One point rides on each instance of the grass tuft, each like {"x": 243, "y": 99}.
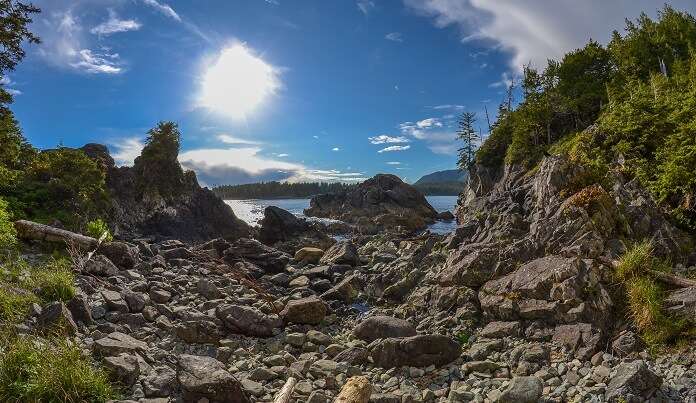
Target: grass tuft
{"x": 636, "y": 261}
{"x": 33, "y": 370}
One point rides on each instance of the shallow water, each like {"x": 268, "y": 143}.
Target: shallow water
{"x": 251, "y": 211}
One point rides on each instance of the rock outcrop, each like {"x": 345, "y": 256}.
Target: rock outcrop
{"x": 157, "y": 198}
{"x": 382, "y": 202}
{"x": 289, "y": 233}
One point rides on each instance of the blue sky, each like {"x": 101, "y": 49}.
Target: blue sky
{"x": 290, "y": 90}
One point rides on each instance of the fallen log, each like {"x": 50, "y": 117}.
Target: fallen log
{"x": 673, "y": 279}
{"x": 356, "y": 390}
{"x": 40, "y": 232}
{"x": 286, "y": 392}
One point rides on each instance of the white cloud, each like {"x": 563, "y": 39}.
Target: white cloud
{"x": 428, "y": 123}
{"x": 127, "y": 150}
{"x": 394, "y": 36}
{"x": 419, "y": 128}
{"x": 163, "y": 8}
{"x": 228, "y": 139}
{"x": 335, "y": 149}
{"x": 536, "y": 30}
{"x": 246, "y": 165}
{"x": 114, "y": 25}
{"x": 365, "y": 6}
{"x": 6, "y": 82}
{"x": 383, "y": 139}
{"x": 393, "y": 163}
{"x": 393, "y": 148}
{"x": 448, "y": 106}
{"x": 64, "y": 45}
{"x": 237, "y": 82}
{"x": 283, "y": 155}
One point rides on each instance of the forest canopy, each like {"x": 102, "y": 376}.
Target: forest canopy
{"x": 278, "y": 190}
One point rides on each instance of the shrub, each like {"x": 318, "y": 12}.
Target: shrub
{"x": 8, "y": 234}
{"x": 636, "y": 261}
{"x": 33, "y": 369}
{"x": 97, "y": 228}
{"x": 645, "y": 300}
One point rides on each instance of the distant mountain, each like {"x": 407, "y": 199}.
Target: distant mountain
{"x": 442, "y": 183}
{"x": 450, "y": 175}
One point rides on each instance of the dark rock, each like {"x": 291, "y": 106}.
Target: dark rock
{"x": 445, "y": 216}
{"x": 56, "y": 315}
{"x": 382, "y": 327}
{"x": 208, "y": 289}
{"x": 341, "y": 253}
{"x": 247, "y": 320}
{"x": 522, "y": 389}
{"x": 100, "y": 265}
{"x": 308, "y": 255}
{"x": 198, "y": 331}
{"x": 159, "y": 295}
{"x": 160, "y": 382}
{"x": 415, "y": 351}
{"x": 682, "y": 303}
{"x": 177, "y": 253}
{"x": 156, "y": 197}
{"x": 79, "y": 309}
{"x": 310, "y": 311}
{"x": 268, "y": 259}
{"x": 121, "y": 254}
{"x": 124, "y": 368}
{"x": 345, "y": 291}
{"x": 353, "y": 356}
{"x": 287, "y": 232}
{"x": 114, "y": 301}
{"x": 632, "y": 382}
{"x": 206, "y": 378}
{"x": 136, "y": 301}
{"x": 383, "y": 201}
{"x": 582, "y": 338}
{"x": 626, "y": 343}
{"x": 496, "y": 330}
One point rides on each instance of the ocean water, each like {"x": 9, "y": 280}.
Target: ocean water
{"x": 251, "y": 211}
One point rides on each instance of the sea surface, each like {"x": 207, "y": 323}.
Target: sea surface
{"x": 251, "y": 210}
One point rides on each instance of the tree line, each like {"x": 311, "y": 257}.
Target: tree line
{"x": 276, "y": 190}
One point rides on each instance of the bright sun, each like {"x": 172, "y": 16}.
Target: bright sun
{"x": 237, "y": 82}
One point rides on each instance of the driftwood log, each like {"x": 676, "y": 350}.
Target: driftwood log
{"x": 40, "y": 232}
{"x": 286, "y": 392}
{"x": 356, "y": 390}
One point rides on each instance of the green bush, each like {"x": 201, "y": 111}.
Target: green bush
{"x": 97, "y": 228}
{"x": 8, "y": 234}
{"x": 38, "y": 370}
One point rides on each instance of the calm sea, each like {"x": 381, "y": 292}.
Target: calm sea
{"x": 251, "y": 211}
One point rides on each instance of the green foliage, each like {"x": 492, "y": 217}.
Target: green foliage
{"x": 34, "y": 369}
{"x": 467, "y": 134}
{"x": 157, "y": 168}
{"x": 463, "y": 337}
{"x": 492, "y": 152}
{"x": 97, "y": 228}
{"x": 271, "y": 190}
{"x": 14, "y": 303}
{"x": 54, "y": 281}
{"x": 8, "y": 234}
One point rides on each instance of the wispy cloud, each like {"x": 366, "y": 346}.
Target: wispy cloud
{"x": 394, "y": 36}
{"x": 448, "y": 106}
{"x": 127, "y": 150}
{"x": 163, "y": 8}
{"x": 393, "y": 148}
{"x": 97, "y": 63}
{"x": 384, "y": 139}
{"x": 114, "y": 25}
{"x": 393, "y": 163}
{"x": 365, "y": 6}
{"x": 335, "y": 149}
{"x": 229, "y": 139}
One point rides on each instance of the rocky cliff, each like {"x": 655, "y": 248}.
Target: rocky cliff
{"x": 156, "y": 198}
{"x": 382, "y": 202}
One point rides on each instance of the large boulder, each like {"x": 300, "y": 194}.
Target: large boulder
{"x": 382, "y": 327}
{"x": 205, "y": 378}
{"x": 343, "y": 252}
{"x": 381, "y": 202}
{"x": 156, "y": 197}
{"x": 522, "y": 389}
{"x": 287, "y": 232}
{"x": 270, "y": 260}
{"x": 682, "y": 303}
{"x": 247, "y": 320}
{"x": 310, "y": 311}
{"x": 632, "y": 382}
{"x": 415, "y": 351}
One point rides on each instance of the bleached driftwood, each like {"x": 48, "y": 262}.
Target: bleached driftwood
{"x": 357, "y": 390}
{"x": 40, "y": 232}
{"x": 286, "y": 392}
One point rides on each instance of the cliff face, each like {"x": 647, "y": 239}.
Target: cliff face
{"x": 382, "y": 202}
{"x": 156, "y": 198}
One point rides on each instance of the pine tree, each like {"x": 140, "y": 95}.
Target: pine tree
{"x": 469, "y": 137}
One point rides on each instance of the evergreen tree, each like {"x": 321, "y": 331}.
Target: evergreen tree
{"x": 467, "y": 133}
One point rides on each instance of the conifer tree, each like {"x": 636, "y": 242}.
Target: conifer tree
{"x": 467, "y": 133}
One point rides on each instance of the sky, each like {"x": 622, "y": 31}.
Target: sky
{"x": 296, "y": 90}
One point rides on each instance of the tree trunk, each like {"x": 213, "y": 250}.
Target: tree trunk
{"x": 34, "y": 231}
{"x": 356, "y": 390}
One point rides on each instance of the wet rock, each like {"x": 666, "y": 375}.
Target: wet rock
{"x": 247, "y": 320}
{"x": 415, "y": 351}
{"x": 381, "y": 327}
{"x": 632, "y": 382}
{"x": 310, "y": 311}
{"x": 206, "y": 378}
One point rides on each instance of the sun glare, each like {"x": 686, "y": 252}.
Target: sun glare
{"x": 237, "y": 82}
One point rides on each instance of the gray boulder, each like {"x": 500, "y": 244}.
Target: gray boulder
{"x": 522, "y": 389}
{"x": 124, "y": 368}
{"x": 56, "y": 315}
{"x": 415, "y": 351}
{"x": 310, "y": 311}
{"x": 118, "y": 343}
{"x": 206, "y": 378}
{"x": 632, "y": 382}
{"x": 382, "y": 327}
{"x": 247, "y": 320}
{"x": 341, "y": 253}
